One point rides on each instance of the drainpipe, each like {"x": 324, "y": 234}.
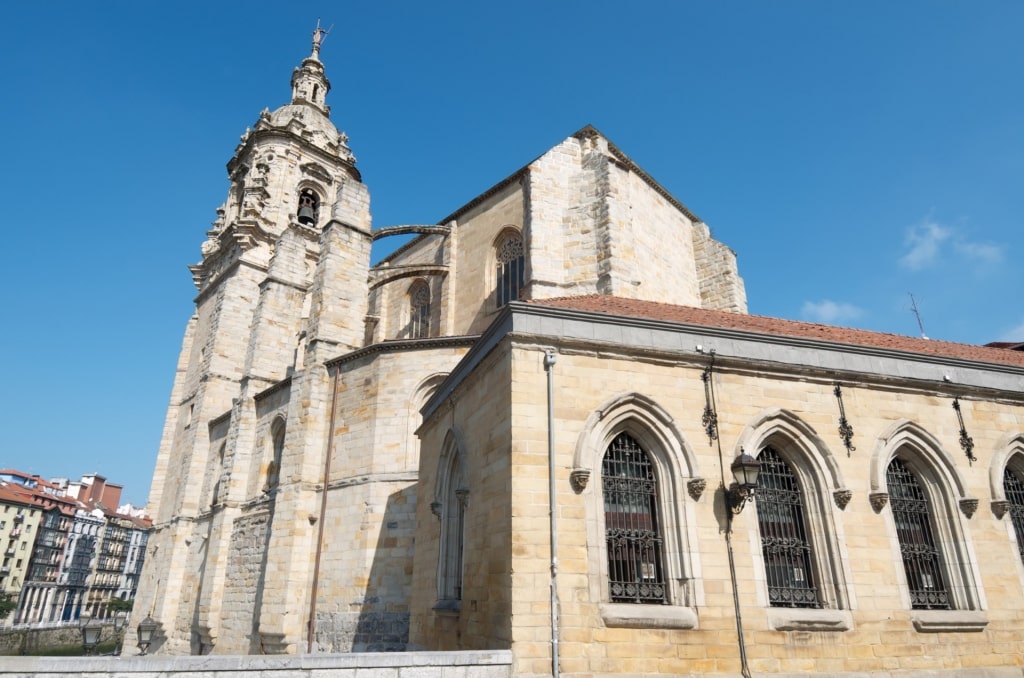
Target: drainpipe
{"x": 549, "y": 367}
{"x": 323, "y": 513}
{"x": 744, "y": 668}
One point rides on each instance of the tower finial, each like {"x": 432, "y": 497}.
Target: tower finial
{"x": 318, "y": 38}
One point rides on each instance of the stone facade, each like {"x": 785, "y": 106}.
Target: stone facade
{"x": 285, "y": 484}
{"x": 626, "y": 368}
{"x": 356, "y": 457}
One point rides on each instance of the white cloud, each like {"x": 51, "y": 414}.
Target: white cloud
{"x": 985, "y": 253}
{"x": 927, "y": 242}
{"x": 830, "y": 312}
{"x": 924, "y": 242}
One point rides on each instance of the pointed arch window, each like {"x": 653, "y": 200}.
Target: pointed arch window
{"x": 922, "y": 558}
{"x": 1013, "y": 487}
{"x": 633, "y": 531}
{"x": 451, "y": 504}
{"x": 419, "y": 310}
{"x": 511, "y": 265}
{"x": 785, "y": 545}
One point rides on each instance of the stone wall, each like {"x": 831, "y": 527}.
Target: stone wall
{"x": 37, "y": 641}
{"x": 491, "y": 664}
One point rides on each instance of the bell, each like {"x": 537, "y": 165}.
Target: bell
{"x": 306, "y": 215}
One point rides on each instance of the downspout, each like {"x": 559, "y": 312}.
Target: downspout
{"x": 549, "y": 367}
{"x": 323, "y": 513}
{"x": 709, "y": 379}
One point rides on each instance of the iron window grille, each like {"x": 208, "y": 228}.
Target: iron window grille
{"x": 922, "y": 561}
{"x": 784, "y": 543}
{"x": 1013, "y": 487}
{"x": 632, "y": 530}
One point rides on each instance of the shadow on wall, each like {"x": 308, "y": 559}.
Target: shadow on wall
{"x": 382, "y": 622}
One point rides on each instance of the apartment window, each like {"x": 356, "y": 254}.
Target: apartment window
{"x": 633, "y": 536}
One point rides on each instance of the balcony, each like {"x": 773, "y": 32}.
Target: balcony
{"x": 5, "y": 570}
{"x": 19, "y": 518}
{"x": 9, "y": 552}
{"x": 16, "y": 532}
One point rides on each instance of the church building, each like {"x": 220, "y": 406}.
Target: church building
{"x": 548, "y": 424}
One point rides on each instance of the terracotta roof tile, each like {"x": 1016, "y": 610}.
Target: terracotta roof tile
{"x": 758, "y": 324}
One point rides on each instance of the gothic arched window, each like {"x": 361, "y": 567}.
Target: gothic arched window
{"x": 511, "y": 264}
{"x": 1013, "y": 486}
{"x": 419, "y": 310}
{"x": 922, "y": 557}
{"x": 632, "y": 528}
{"x": 784, "y": 535}
{"x": 451, "y": 504}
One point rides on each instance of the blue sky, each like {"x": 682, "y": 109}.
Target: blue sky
{"x": 849, "y": 153}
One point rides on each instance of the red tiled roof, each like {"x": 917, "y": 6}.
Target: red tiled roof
{"x": 759, "y": 324}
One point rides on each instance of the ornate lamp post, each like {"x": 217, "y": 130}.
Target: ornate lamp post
{"x": 745, "y": 470}
{"x": 120, "y": 619}
{"x": 147, "y": 627}
{"x": 90, "y": 632}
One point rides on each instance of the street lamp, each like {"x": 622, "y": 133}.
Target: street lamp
{"x": 745, "y": 470}
{"x": 120, "y": 619}
{"x": 147, "y": 627}
{"x": 90, "y": 632}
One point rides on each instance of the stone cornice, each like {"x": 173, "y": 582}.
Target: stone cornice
{"x": 629, "y": 164}
{"x": 395, "y": 346}
{"x": 260, "y": 135}
{"x": 267, "y": 392}
{"x": 218, "y": 420}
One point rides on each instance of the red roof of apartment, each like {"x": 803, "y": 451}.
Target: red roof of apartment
{"x": 759, "y": 324}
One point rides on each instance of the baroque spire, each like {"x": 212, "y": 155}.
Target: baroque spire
{"x": 309, "y": 83}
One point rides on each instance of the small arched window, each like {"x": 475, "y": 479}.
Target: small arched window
{"x": 784, "y": 536}
{"x": 922, "y": 558}
{"x": 632, "y": 528}
{"x": 309, "y": 207}
{"x": 511, "y": 264}
{"x": 419, "y": 310}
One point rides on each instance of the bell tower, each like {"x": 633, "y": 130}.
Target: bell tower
{"x": 281, "y": 288}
